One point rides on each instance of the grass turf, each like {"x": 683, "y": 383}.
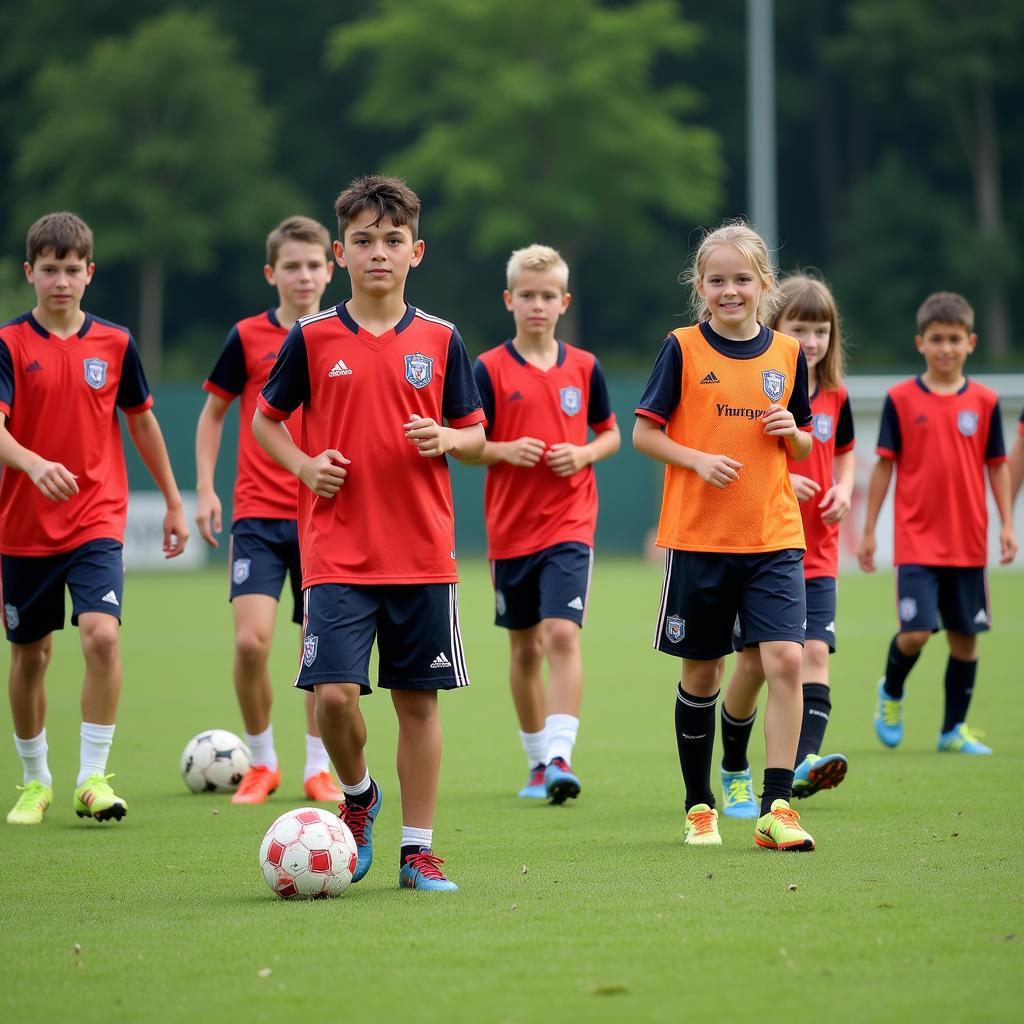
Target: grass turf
{"x": 910, "y": 908}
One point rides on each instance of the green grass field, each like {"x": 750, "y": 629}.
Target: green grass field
{"x": 909, "y": 910}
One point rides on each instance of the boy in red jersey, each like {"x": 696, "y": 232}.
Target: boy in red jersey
{"x": 377, "y": 378}
{"x": 540, "y": 396}
{"x": 63, "y": 501}
{"x": 940, "y": 429}
{"x": 264, "y": 531}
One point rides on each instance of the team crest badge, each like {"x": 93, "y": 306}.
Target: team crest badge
{"x": 95, "y": 373}
{"x": 11, "y": 615}
{"x": 240, "y": 570}
{"x": 967, "y": 422}
{"x": 571, "y": 400}
{"x": 309, "y": 646}
{"x": 822, "y": 426}
{"x": 908, "y": 609}
{"x": 675, "y": 628}
{"x": 774, "y": 383}
{"x": 419, "y": 370}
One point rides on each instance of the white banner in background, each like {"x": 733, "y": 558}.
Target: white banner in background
{"x": 144, "y": 534}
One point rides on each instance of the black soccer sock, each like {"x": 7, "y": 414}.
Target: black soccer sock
{"x": 363, "y": 799}
{"x": 778, "y": 785}
{"x": 735, "y": 738}
{"x": 817, "y": 708}
{"x": 695, "y": 738}
{"x": 959, "y": 688}
{"x": 897, "y": 668}
{"x": 407, "y": 851}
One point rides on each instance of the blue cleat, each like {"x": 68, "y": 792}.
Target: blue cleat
{"x": 814, "y": 773}
{"x": 559, "y": 782}
{"x": 534, "y": 788}
{"x": 360, "y": 821}
{"x": 738, "y": 795}
{"x": 423, "y": 871}
{"x": 888, "y": 717}
{"x": 961, "y": 740}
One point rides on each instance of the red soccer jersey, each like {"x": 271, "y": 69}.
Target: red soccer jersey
{"x": 263, "y": 489}
{"x": 392, "y": 521}
{"x": 832, "y": 429}
{"x": 941, "y": 444}
{"x": 60, "y": 397}
{"x": 528, "y": 510}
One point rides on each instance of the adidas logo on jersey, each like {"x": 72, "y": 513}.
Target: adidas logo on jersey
{"x": 711, "y": 379}
{"x": 981, "y": 618}
{"x": 270, "y": 356}
{"x": 576, "y": 603}
{"x": 441, "y": 662}
{"x": 33, "y": 367}
{"x": 110, "y": 597}
{"x": 516, "y": 396}
{"x": 339, "y": 369}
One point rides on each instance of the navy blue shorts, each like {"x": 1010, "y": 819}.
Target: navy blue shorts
{"x": 33, "y": 588}
{"x": 708, "y": 595}
{"x": 416, "y": 627}
{"x": 821, "y": 610}
{"x": 549, "y": 584}
{"x": 262, "y": 553}
{"x": 926, "y": 592}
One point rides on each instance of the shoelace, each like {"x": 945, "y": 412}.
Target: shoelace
{"x": 356, "y": 818}
{"x": 786, "y": 815}
{"x": 31, "y": 794}
{"x": 537, "y": 777}
{"x": 890, "y": 711}
{"x": 740, "y": 792}
{"x": 99, "y": 779}
{"x": 703, "y": 821}
{"x": 967, "y": 735}
{"x": 427, "y": 865}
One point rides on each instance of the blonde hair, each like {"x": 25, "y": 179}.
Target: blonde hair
{"x": 538, "y": 258}
{"x": 751, "y": 246}
{"x": 805, "y": 296}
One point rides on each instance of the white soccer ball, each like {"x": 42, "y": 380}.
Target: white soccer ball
{"x": 308, "y": 854}
{"x": 214, "y": 762}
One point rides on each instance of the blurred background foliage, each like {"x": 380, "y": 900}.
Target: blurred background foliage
{"x": 613, "y": 130}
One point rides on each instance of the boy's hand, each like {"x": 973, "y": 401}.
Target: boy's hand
{"x": 523, "y": 451}
{"x": 564, "y": 459}
{"x": 55, "y": 480}
{"x": 804, "y": 487}
{"x": 175, "y": 532}
{"x": 208, "y": 509}
{"x": 428, "y": 435}
{"x": 325, "y": 473}
{"x": 779, "y": 422}
{"x": 717, "y": 470}
{"x": 1007, "y": 545}
{"x": 866, "y": 552}
{"x": 835, "y": 506}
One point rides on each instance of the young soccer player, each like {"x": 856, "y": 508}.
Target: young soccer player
{"x": 264, "y": 531}
{"x": 940, "y": 429}
{"x": 64, "y": 373}
{"x": 540, "y": 395}
{"x": 377, "y": 378}
{"x": 724, "y": 406}
{"x": 823, "y": 483}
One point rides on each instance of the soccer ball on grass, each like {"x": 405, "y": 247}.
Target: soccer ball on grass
{"x": 214, "y": 762}
{"x": 307, "y": 854}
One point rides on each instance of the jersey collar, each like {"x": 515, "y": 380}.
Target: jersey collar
{"x": 514, "y": 353}
{"x": 44, "y": 333}
{"x": 272, "y": 316}
{"x": 758, "y": 345}
{"x": 350, "y": 324}
{"x": 924, "y": 387}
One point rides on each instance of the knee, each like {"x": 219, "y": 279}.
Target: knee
{"x": 337, "y": 702}
{"x": 912, "y": 642}
{"x": 526, "y": 652}
{"x": 252, "y": 645}
{"x": 786, "y": 666}
{"x": 963, "y": 646}
{"x": 29, "y": 661}
{"x": 561, "y": 637}
{"x": 100, "y": 643}
{"x": 815, "y": 661}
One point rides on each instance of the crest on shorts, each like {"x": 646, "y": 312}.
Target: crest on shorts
{"x": 571, "y": 400}
{"x": 774, "y": 383}
{"x": 822, "y": 426}
{"x": 419, "y": 370}
{"x": 908, "y": 609}
{"x": 967, "y": 422}
{"x": 11, "y": 615}
{"x": 675, "y": 628}
{"x": 240, "y": 570}
{"x": 309, "y": 646}
{"x": 500, "y": 604}
{"x": 95, "y": 372}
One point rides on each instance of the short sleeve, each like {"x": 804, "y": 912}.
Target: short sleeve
{"x": 460, "y": 401}
{"x": 665, "y": 385}
{"x": 799, "y": 402}
{"x": 229, "y": 375}
{"x": 995, "y": 449}
{"x": 844, "y": 427}
{"x": 133, "y": 395}
{"x": 6, "y": 379}
{"x": 889, "y": 440}
{"x": 485, "y": 386}
{"x": 288, "y": 385}
{"x": 599, "y": 407}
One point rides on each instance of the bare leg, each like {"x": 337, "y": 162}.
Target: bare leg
{"x": 782, "y": 660}
{"x": 26, "y": 686}
{"x": 419, "y": 754}
{"x": 526, "y": 658}
{"x": 561, "y": 639}
{"x": 101, "y": 690}
{"x": 744, "y": 687}
{"x": 254, "y": 616}
{"x": 343, "y": 729}
{"x": 815, "y": 662}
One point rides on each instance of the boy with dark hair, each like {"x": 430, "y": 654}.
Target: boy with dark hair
{"x": 264, "y": 533}
{"x": 940, "y": 429}
{"x": 377, "y": 378}
{"x": 63, "y": 502}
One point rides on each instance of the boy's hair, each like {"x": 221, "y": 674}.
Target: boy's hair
{"x": 63, "y": 232}
{"x": 538, "y": 258}
{"x": 945, "y": 308}
{"x": 742, "y": 237}
{"x": 805, "y": 296}
{"x": 386, "y": 196}
{"x": 298, "y": 229}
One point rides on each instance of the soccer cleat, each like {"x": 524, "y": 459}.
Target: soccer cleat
{"x": 738, "y": 790}
{"x": 888, "y": 717}
{"x": 322, "y": 789}
{"x": 559, "y": 782}
{"x": 31, "y": 806}
{"x": 780, "y": 829}
{"x": 360, "y": 821}
{"x": 534, "y": 788}
{"x": 702, "y": 826}
{"x": 959, "y": 740}
{"x": 95, "y": 799}
{"x": 257, "y": 784}
{"x": 814, "y": 773}
{"x": 423, "y": 871}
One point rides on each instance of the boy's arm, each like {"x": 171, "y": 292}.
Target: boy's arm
{"x": 835, "y": 506}
{"x": 209, "y": 431}
{"x": 323, "y": 475}
{"x": 523, "y": 451}
{"x": 878, "y": 487}
{"x": 54, "y": 479}
{"x": 433, "y": 439}
{"x": 649, "y": 438}
{"x": 149, "y": 441}
{"x": 999, "y": 481}
{"x": 565, "y": 459}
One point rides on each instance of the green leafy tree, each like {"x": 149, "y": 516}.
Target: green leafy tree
{"x": 160, "y": 140}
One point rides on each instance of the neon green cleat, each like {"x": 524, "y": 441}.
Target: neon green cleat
{"x": 702, "y": 826}
{"x": 31, "y": 806}
{"x": 95, "y": 799}
{"x": 780, "y": 829}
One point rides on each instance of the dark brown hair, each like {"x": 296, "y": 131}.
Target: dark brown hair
{"x": 945, "y": 308}
{"x": 298, "y": 229}
{"x": 387, "y": 197}
{"x": 62, "y": 232}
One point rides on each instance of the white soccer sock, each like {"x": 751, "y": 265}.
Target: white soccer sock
{"x": 317, "y": 760}
{"x": 561, "y": 730}
{"x": 359, "y": 788}
{"x": 33, "y": 759}
{"x": 536, "y": 746}
{"x": 95, "y": 749}
{"x": 419, "y": 837}
{"x": 262, "y": 747}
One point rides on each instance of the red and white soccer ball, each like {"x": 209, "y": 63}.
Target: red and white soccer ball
{"x": 307, "y": 854}
{"x": 214, "y": 762}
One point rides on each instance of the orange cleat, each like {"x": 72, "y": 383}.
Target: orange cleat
{"x": 257, "y": 784}
{"x": 323, "y": 789}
